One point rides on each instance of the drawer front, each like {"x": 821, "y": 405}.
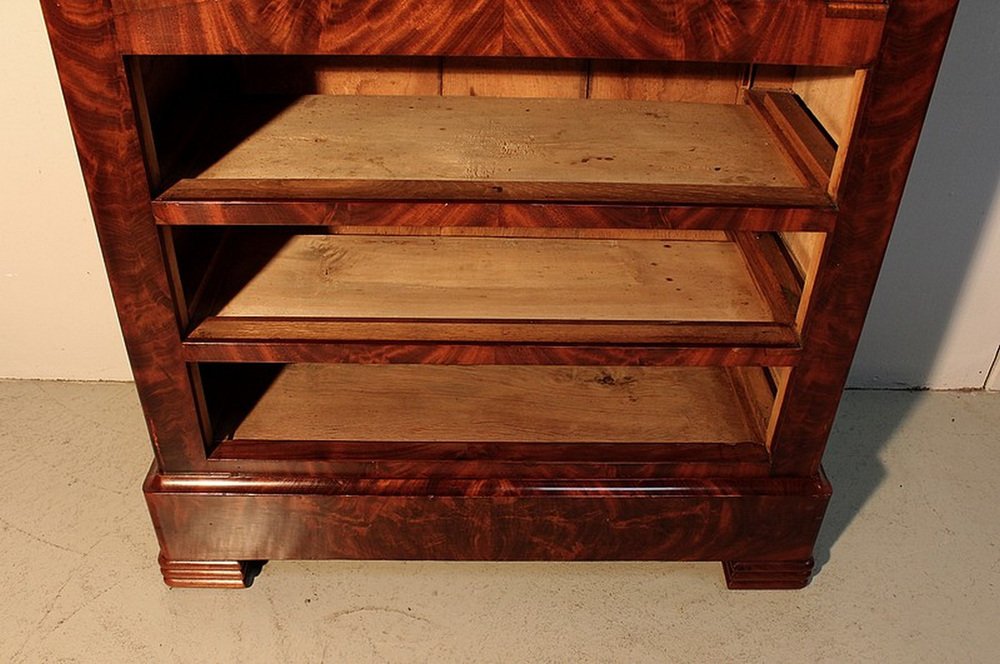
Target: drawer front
{"x": 813, "y": 32}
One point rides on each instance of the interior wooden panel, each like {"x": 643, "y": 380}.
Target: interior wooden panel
{"x": 712, "y": 83}
{"x": 498, "y": 404}
{"x": 754, "y": 387}
{"x": 378, "y": 76}
{"x": 806, "y": 251}
{"x": 779, "y": 378}
{"x": 772, "y": 77}
{"x": 504, "y": 77}
{"x": 832, "y": 96}
{"x": 433, "y": 138}
{"x": 333, "y": 276}
{"x": 709, "y": 83}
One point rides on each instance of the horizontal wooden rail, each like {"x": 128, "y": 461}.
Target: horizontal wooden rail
{"x": 807, "y": 32}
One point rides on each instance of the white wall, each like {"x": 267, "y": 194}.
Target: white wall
{"x": 935, "y": 320}
{"x": 56, "y": 315}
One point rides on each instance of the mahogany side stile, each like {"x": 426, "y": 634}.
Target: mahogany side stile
{"x": 807, "y": 32}
{"x": 99, "y": 106}
{"x": 884, "y": 142}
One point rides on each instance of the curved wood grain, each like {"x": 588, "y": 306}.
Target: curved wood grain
{"x": 396, "y": 27}
{"x": 764, "y": 31}
{"x": 760, "y": 31}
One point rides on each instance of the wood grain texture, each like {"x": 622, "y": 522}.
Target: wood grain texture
{"x": 763, "y": 347}
{"x": 468, "y": 147}
{"x": 98, "y": 101}
{"x": 761, "y": 31}
{"x": 242, "y": 518}
{"x": 386, "y": 27}
{"x": 792, "y": 32}
{"x": 801, "y": 139}
{"x": 899, "y": 89}
{"x": 773, "y": 273}
{"x": 511, "y": 217}
{"x": 376, "y": 76}
{"x": 702, "y": 82}
{"x": 497, "y": 404}
{"x": 510, "y": 77}
{"x": 832, "y": 96}
{"x": 367, "y": 277}
{"x": 496, "y": 190}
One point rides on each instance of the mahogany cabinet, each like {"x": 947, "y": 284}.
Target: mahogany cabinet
{"x": 493, "y": 279}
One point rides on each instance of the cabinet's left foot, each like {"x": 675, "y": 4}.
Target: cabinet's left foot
{"x": 768, "y": 574}
{"x": 209, "y": 573}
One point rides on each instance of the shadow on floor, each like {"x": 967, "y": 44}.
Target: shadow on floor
{"x": 852, "y": 460}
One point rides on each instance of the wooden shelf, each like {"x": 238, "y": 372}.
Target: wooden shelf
{"x": 357, "y": 412}
{"x": 472, "y": 148}
{"x": 267, "y": 288}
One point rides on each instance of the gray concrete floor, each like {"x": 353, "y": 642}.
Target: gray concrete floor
{"x": 909, "y": 558}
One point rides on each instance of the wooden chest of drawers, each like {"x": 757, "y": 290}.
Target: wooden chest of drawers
{"x": 493, "y": 279}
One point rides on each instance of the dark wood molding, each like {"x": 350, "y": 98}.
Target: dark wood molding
{"x": 512, "y": 218}
{"x": 768, "y": 574}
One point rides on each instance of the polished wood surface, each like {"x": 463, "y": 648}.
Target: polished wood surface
{"x": 271, "y": 437}
{"x": 98, "y": 102}
{"x": 512, "y": 219}
{"x": 794, "y": 31}
{"x": 279, "y": 517}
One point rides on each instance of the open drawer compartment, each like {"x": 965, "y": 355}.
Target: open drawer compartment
{"x": 725, "y": 298}
{"x": 292, "y": 130}
{"x": 497, "y": 414}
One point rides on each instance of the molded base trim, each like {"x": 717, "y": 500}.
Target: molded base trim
{"x": 209, "y": 573}
{"x": 768, "y": 574}
{"x": 230, "y": 517}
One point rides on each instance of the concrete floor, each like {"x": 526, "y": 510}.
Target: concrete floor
{"x": 909, "y": 555}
